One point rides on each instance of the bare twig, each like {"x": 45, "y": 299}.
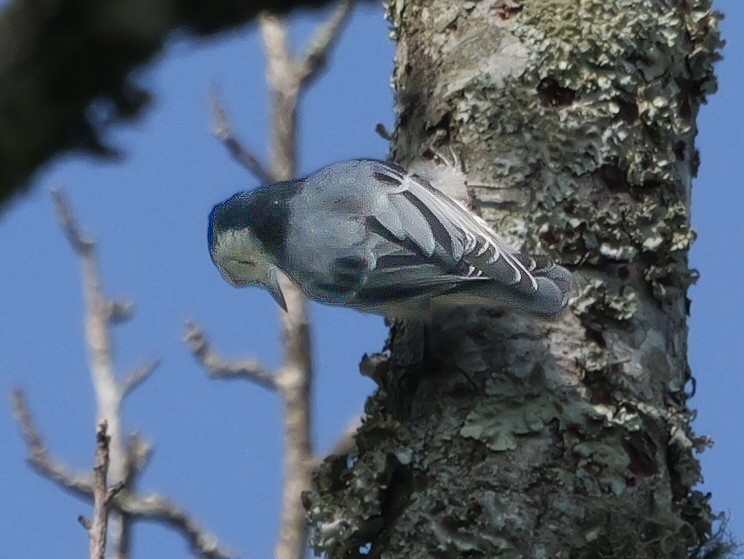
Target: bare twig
{"x": 276, "y": 47}
{"x": 286, "y": 77}
{"x": 217, "y": 367}
{"x": 98, "y": 529}
{"x": 113, "y": 491}
{"x": 139, "y": 452}
{"x": 134, "y": 379}
{"x": 295, "y": 377}
{"x": 80, "y": 243}
{"x": 224, "y": 132}
{"x": 316, "y": 54}
{"x": 39, "y": 457}
{"x": 99, "y": 315}
{"x": 155, "y": 508}
{"x": 122, "y": 460}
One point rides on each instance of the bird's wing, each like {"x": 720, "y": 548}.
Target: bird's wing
{"x": 424, "y": 225}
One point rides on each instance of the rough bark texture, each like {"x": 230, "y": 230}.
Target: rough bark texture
{"x": 575, "y": 122}
{"x": 59, "y": 56}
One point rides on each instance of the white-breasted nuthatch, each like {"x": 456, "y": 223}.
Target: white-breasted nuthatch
{"x": 370, "y": 235}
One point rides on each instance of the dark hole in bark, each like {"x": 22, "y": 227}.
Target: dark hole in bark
{"x": 685, "y": 110}
{"x": 628, "y": 111}
{"x": 506, "y": 9}
{"x": 553, "y": 95}
{"x": 613, "y": 176}
{"x": 642, "y": 451}
{"x": 596, "y": 337}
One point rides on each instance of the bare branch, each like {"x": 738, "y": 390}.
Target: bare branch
{"x": 316, "y": 55}
{"x": 39, "y": 457}
{"x": 139, "y": 452}
{"x": 125, "y": 462}
{"x": 79, "y": 242}
{"x": 217, "y": 367}
{"x": 286, "y": 78}
{"x": 278, "y": 63}
{"x": 99, "y": 314}
{"x": 154, "y": 508}
{"x": 29, "y": 432}
{"x": 113, "y": 491}
{"x": 158, "y": 509}
{"x": 136, "y": 378}
{"x": 295, "y": 376}
{"x": 98, "y": 529}
{"x": 224, "y": 132}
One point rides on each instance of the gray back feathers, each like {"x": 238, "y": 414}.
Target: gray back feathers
{"x": 369, "y": 234}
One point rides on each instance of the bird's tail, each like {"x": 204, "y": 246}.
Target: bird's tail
{"x": 554, "y": 285}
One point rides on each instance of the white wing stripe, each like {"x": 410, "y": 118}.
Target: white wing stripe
{"x": 436, "y": 219}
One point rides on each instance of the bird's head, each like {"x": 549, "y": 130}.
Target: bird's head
{"x": 238, "y": 253}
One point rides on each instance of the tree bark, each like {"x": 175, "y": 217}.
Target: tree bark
{"x": 519, "y": 437}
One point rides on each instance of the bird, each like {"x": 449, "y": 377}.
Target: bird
{"x": 370, "y": 235}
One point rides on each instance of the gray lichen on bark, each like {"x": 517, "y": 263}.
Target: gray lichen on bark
{"x": 574, "y": 121}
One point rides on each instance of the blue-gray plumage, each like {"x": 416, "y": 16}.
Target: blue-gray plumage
{"x": 370, "y": 235}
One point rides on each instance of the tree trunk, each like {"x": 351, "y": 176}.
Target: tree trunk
{"x": 517, "y": 437}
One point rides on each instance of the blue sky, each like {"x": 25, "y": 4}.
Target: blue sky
{"x": 218, "y": 445}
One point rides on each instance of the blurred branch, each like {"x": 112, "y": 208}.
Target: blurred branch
{"x": 133, "y": 380}
{"x": 286, "y": 77}
{"x": 124, "y": 460}
{"x": 99, "y": 316}
{"x": 155, "y": 508}
{"x": 217, "y": 367}
{"x": 39, "y": 457}
{"x": 99, "y": 45}
{"x": 314, "y": 59}
{"x": 79, "y": 243}
{"x": 139, "y": 452}
{"x": 224, "y": 132}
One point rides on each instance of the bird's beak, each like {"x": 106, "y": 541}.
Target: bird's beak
{"x": 276, "y": 291}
